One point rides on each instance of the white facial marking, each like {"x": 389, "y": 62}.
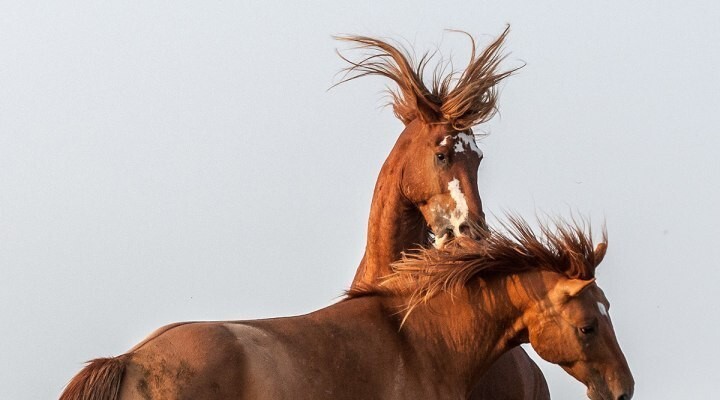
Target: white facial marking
{"x": 459, "y": 147}
{"x": 602, "y": 309}
{"x": 456, "y": 217}
{"x": 445, "y": 140}
{"x": 466, "y": 140}
{"x": 460, "y": 213}
{"x": 440, "y": 211}
{"x": 440, "y": 241}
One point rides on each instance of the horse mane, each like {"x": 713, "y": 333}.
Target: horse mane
{"x": 564, "y": 247}
{"x": 461, "y": 99}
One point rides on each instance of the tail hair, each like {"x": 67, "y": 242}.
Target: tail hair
{"x": 99, "y": 380}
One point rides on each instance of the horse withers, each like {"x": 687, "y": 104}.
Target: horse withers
{"x": 429, "y": 331}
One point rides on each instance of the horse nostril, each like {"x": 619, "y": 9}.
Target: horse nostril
{"x": 623, "y": 397}
{"x": 464, "y": 229}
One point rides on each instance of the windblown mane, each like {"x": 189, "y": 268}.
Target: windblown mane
{"x": 561, "y": 246}
{"x": 461, "y": 99}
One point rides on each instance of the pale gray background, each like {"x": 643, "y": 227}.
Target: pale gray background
{"x": 166, "y": 161}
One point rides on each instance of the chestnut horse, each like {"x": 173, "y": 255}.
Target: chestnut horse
{"x": 427, "y": 332}
{"x": 427, "y": 186}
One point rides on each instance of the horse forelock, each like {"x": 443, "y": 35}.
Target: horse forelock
{"x": 460, "y": 99}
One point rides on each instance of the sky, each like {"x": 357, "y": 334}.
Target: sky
{"x": 165, "y": 161}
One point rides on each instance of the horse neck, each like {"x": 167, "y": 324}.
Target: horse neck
{"x": 465, "y": 332}
{"x": 395, "y": 224}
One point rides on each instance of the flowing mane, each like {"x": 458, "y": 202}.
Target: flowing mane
{"x": 461, "y": 99}
{"x": 565, "y": 247}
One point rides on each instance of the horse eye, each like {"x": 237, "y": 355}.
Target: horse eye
{"x": 440, "y": 157}
{"x": 587, "y": 330}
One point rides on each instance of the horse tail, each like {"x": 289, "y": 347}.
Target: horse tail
{"x": 99, "y": 380}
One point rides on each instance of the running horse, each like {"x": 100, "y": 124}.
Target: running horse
{"x": 428, "y": 331}
{"x": 427, "y": 186}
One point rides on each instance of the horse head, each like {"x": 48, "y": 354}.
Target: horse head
{"x": 439, "y": 177}
{"x": 435, "y": 160}
{"x": 530, "y": 287}
{"x": 572, "y": 328}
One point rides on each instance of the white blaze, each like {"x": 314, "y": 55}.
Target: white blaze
{"x": 466, "y": 140}
{"x": 460, "y": 213}
{"x": 445, "y": 140}
{"x": 455, "y": 217}
{"x": 602, "y": 309}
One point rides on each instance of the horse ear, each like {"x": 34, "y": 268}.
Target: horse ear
{"x": 409, "y": 106}
{"x": 570, "y": 288}
{"x": 600, "y": 250}
{"x": 426, "y": 111}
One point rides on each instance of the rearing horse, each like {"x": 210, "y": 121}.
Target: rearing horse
{"x": 428, "y": 184}
{"x": 464, "y": 305}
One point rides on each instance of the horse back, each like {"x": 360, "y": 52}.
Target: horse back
{"x": 336, "y": 353}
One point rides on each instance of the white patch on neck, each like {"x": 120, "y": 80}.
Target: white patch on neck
{"x": 602, "y": 309}
{"x": 466, "y": 140}
{"x": 459, "y": 215}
